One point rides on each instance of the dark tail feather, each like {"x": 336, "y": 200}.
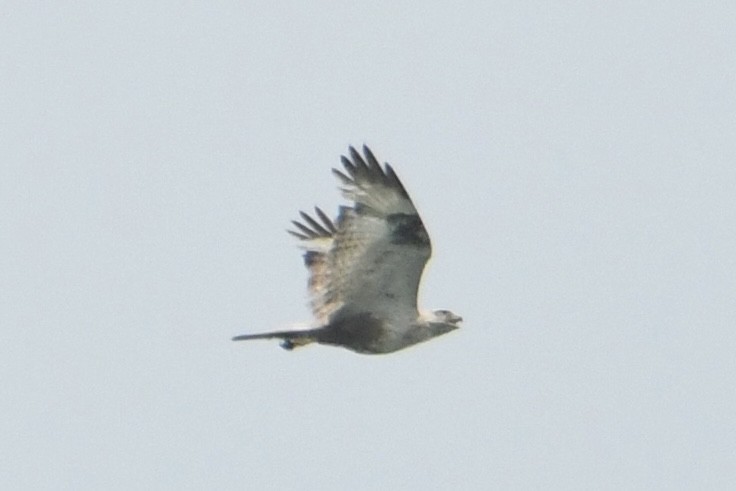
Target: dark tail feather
{"x": 290, "y": 339}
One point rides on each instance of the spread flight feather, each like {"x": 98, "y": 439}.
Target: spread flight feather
{"x": 365, "y": 268}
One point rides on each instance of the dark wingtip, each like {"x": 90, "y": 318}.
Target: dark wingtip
{"x": 342, "y": 177}
{"x": 373, "y": 163}
{"x": 316, "y": 226}
{"x": 394, "y": 181}
{"x": 310, "y": 228}
{"x": 359, "y": 164}
{"x": 355, "y": 155}
{"x": 304, "y": 229}
{"x": 349, "y": 166}
{"x": 326, "y": 220}
{"x": 297, "y": 235}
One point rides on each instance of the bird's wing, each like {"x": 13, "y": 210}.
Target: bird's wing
{"x": 372, "y": 259}
{"x": 317, "y": 237}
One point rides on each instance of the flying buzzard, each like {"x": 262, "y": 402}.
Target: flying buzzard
{"x": 364, "y": 269}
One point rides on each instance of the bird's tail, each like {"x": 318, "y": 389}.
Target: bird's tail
{"x": 289, "y": 339}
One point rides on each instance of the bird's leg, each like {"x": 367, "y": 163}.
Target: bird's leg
{"x": 296, "y": 342}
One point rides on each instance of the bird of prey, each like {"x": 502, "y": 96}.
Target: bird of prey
{"x": 365, "y": 267}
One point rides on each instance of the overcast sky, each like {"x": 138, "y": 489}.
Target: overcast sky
{"x": 575, "y": 165}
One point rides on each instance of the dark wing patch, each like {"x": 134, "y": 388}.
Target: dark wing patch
{"x": 407, "y": 229}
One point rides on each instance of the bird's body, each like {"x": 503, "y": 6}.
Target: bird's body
{"x": 365, "y": 268}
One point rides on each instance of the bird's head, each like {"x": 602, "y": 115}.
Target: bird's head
{"x": 442, "y": 321}
{"x": 434, "y": 323}
{"x": 446, "y": 317}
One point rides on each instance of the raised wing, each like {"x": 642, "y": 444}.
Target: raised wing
{"x": 372, "y": 259}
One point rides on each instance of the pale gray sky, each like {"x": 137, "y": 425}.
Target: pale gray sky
{"x": 575, "y": 165}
